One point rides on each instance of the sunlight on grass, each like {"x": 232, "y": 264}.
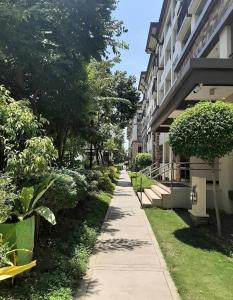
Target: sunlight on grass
{"x": 201, "y": 269}
{"x": 136, "y": 179}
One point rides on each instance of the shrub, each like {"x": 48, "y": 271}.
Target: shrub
{"x": 34, "y": 161}
{"x": 105, "y": 184}
{"x": 113, "y": 173}
{"x": 7, "y": 198}
{"x": 142, "y": 160}
{"x": 4, "y": 249}
{"x": 80, "y": 181}
{"x": 63, "y": 194}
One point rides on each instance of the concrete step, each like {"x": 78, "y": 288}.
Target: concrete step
{"x": 145, "y": 200}
{"x": 164, "y": 187}
{"x": 159, "y": 190}
{"x": 152, "y": 195}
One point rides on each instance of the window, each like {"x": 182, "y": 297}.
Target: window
{"x": 200, "y": 8}
{"x": 186, "y": 37}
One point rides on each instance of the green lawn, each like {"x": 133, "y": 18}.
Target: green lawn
{"x": 200, "y": 267}
{"x": 63, "y": 254}
{"x": 136, "y": 179}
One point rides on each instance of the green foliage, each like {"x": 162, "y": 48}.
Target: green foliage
{"x": 44, "y": 49}
{"x": 69, "y": 188}
{"x": 4, "y": 249}
{"x": 7, "y": 198}
{"x": 65, "y": 255}
{"x": 105, "y": 184}
{"x": 113, "y": 173}
{"x": 204, "y": 131}
{"x": 26, "y": 203}
{"x": 142, "y": 160}
{"x": 136, "y": 181}
{"x": 17, "y": 124}
{"x": 34, "y": 161}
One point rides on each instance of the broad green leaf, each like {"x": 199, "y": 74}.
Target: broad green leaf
{"x": 46, "y": 184}
{"x": 26, "y": 197}
{"x": 47, "y": 214}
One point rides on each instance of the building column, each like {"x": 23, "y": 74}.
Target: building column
{"x": 157, "y": 150}
{"x": 170, "y": 161}
{"x": 226, "y": 182}
{"x": 225, "y": 42}
{"x": 153, "y": 146}
{"x": 177, "y": 171}
{"x": 164, "y": 157}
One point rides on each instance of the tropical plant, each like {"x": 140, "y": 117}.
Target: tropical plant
{"x": 142, "y": 160}
{"x": 26, "y": 203}
{"x": 4, "y": 250}
{"x": 63, "y": 194}
{"x": 34, "y": 161}
{"x": 204, "y": 131}
{"x": 7, "y": 197}
{"x": 17, "y": 124}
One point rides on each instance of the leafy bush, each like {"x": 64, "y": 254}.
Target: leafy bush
{"x": 34, "y": 161}
{"x": 142, "y": 160}
{"x": 80, "y": 181}
{"x": 18, "y": 123}
{"x": 105, "y": 184}
{"x": 113, "y": 173}
{"x": 63, "y": 194}
{"x": 7, "y": 198}
{"x": 4, "y": 249}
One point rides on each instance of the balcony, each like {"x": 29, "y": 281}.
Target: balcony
{"x": 183, "y": 13}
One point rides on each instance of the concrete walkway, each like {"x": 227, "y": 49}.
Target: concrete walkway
{"x": 127, "y": 262}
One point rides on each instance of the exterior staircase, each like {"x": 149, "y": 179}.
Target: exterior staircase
{"x": 155, "y": 195}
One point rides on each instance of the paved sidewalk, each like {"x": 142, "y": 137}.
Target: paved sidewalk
{"x": 127, "y": 262}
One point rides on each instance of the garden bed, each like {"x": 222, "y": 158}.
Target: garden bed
{"x": 63, "y": 253}
{"x": 200, "y": 263}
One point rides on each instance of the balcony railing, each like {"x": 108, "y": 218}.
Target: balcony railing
{"x": 183, "y": 13}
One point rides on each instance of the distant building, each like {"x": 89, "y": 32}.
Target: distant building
{"x": 190, "y": 60}
{"x": 134, "y": 135}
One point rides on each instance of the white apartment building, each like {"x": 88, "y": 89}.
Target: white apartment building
{"x": 190, "y": 60}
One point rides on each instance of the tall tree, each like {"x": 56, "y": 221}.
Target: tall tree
{"x": 44, "y": 48}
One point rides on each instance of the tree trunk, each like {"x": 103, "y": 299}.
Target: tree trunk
{"x": 101, "y": 156}
{"x": 91, "y": 156}
{"x": 97, "y": 155}
{"x": 218, "y": 219}
{"x": 61, "y": 144}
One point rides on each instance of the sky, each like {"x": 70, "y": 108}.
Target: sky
{"x": 136, "y": 15}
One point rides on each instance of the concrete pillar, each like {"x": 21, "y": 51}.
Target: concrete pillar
{"x": 226, "y": 182}
{"x": 225, "y": 42}
{"x": 153, "y": 146}
{"x": 164, "y": 156}
{"x": 170, "y": 161}
{"x": 177, "y": 171}
{"x": 157, "y": 150}
{"x": 198, "y": 198}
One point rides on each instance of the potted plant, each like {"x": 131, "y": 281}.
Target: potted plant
{"x": 18, "y": 227}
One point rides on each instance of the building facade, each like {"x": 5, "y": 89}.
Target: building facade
{"x": 190, "y": 53}
{"x": 134, "y": 135}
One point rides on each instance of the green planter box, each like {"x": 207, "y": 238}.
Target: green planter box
{"x": 20, "y": 236}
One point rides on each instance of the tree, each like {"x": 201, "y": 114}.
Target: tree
{"x": 17, "y": 124}
{"x": 143, "y": 160}
{"x": 109, "y": 109}
{"x": 204, "y": 131}
{"x": 44, "y": 49}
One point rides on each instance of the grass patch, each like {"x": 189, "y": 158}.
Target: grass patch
{"x": 136, "y": 181}
{"x": 200, "y": 267}
{"x": 63, "y": 254}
